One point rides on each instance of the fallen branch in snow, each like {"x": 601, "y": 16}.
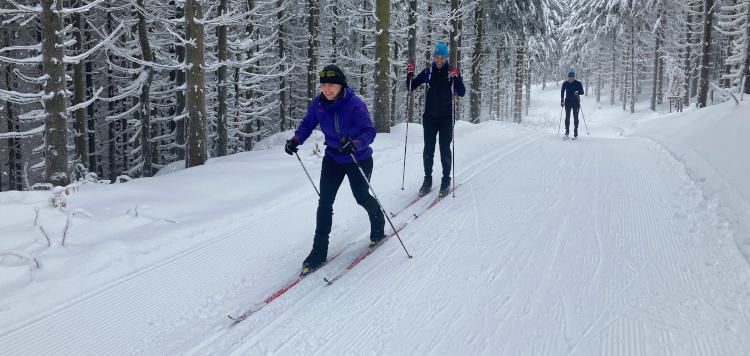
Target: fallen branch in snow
{"x": 21, "y": 255}
{"x": 69, "y": 222}
{"x": 49, "y": 243}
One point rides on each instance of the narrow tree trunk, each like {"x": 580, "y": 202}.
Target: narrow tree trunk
{"x": 364, "y": 53}
{"x": 746, "y": 64}
{"x": 223, "y": 138}
{"x": 249, "y": 129}
{"x": 394, "y": 87}
{"x": 599, "y": 76}
{"x": 382, "y": 66}
{"x": 197, "y": 141}
{"x": 95, "y": 160}
{"x": 518, "y": 104}
{"x": 708, "y": 13}
{"x": 660, "y": 82}
{"x": 612, "y": 98}
{"x": 688, "y": 53}
{"x": 527, "y": 79}
{"x": 282, "y": 85}
{"x": 412, "y": 51}
{"x": 79, "y": 96}
{"x": 148, "y": 73}
{"x": 654, "y": 89}
{"x": 312, "y": 43}
{"x": 453, "y": 37}
{"x": 57, "y": 171}
{"x": 476, "y": 59}
{"x": 633, "y": 69}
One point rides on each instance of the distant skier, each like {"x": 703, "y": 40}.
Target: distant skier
{"x": 570, "y": 99}
{"x": 438, "y": 114}
{"x": 346, "y": 124}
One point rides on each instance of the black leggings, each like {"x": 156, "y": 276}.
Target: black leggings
{"x": 575, "y": 108}
{"x": 331, "y": 176}
{"x": 432, "y": 127}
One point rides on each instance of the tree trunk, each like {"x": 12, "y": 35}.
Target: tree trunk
{"x": 654, "y": 89}
{"x": 282, "y": 85}
{"x": 145, "y": 111}
{"x": 180, "y": 95}
{"x": 527, "y": 80}
{"x": 453, "y": 37}
{"x": 518, "y": 104}
{"x": 394, "y": 87}
{"x": 660, "y": 82}
{"x": 476, "y": 59}
{"x": 223, "y": 138}
{"x": 633, "y": 69}
{"x": 412, "y": 51}
{"x": 382, "y": 66}
{"x": 57, "y": 171}
{"x": 688, "y": 53}
{"x": 197, "y": 148}
{"x": 708, "y": 13}
{"x": 746, "y": 64}
{"x": 599, "y": 81}
{"x": 612, "y": 98}
{"x": 79, "y": 125}
{"x": 312, "y": 43}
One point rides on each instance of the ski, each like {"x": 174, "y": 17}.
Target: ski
{"x": 441, "y": 197}
{"x": 287, "y": 286}
{"x": 369, "y": 250}
{"x": 575, "y": 138}
{"x": 417, "y": 199}
{"x": 565, "y": 138}
{"x": 363, "y": 255}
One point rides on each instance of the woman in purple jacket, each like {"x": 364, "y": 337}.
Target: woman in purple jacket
{"x": 348, "y": 129}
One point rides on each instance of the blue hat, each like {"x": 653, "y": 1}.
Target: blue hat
{"x": 572, "y": 74}
{"x": 441, "y": 50}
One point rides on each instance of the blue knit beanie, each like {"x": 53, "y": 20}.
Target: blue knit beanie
{"x": 441, "y": 50}
{"x": 572, "y": 74}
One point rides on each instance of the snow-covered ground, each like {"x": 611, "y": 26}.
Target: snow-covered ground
{"x": 628, "y": 241}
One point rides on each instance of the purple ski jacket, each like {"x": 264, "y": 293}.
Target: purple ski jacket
{"x": 344, "y": 118}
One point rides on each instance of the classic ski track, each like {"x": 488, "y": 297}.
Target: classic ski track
{"x": 608, "y": 302}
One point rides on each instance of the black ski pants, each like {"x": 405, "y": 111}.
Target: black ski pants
{"x": 432, "y": 127}
{"x": 331, "y": 177}
{"x": 575, "y": 107}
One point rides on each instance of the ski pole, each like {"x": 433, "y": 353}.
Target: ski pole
{"x": 559, "y": 122}
{"x": 379, "y": 204}
{"x": 308, "y": 174}
{"x": 406, "y": 138}
{"x": 453, "y": 136}
{"x": 584, "y": 120}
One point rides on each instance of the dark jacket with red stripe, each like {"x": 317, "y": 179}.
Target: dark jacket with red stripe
{"x": 344, "y": 118}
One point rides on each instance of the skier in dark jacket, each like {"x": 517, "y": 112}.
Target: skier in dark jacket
{"x": 438, "y": 112}
{"x": 569, "y": 98}
{"x": 348, "y": 129}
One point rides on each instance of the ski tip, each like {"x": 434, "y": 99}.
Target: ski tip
{"x": 236, "y": 320}
{"x": 327, "y": 281}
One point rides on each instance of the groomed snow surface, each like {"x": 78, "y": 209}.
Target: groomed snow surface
{"x": 632, "y": 240}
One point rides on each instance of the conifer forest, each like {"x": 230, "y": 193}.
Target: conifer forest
{"x": 113, "y": 90}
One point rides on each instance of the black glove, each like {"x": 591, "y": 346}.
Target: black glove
{"x": 562, "y": 104}
{"x": 350, "y": 145}
{"x": 291, "y": 146}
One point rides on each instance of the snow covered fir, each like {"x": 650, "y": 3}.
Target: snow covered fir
{"x": 406, "y": 177}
